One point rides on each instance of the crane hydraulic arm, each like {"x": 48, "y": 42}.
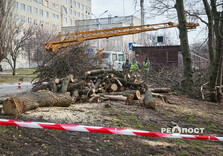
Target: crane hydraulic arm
{"x": 65, "y": 40}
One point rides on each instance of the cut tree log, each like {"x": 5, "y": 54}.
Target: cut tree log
{"x": 21, "y": 103}
{"x": 114, "y": 87}
{"x": 160, "y": 90}
{"x": 160, "y": 96}
{"x": 128, "y": 95}
{"x": 73, "y": 86}
{"x": 148, "y": 100}
{"x": 43, "y": 86}
{"x": 136, "y": 94}
{"x": 97, "y": 72}
{"x": 119, "y": 83}
{"x": 57, "y": 81}
{"x": 115, "y": 97}
{"x": 65, "y": 83}
{"x": 53, "y": 86}
{"x": 75, "y": 96}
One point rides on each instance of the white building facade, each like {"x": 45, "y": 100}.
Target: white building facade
{"x": 49, "y": 14}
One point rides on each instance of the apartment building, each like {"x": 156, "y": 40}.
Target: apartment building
{"x": 49, "y": 14}
{"x": 118, "y": 43}
{"x": 52, "y": 13}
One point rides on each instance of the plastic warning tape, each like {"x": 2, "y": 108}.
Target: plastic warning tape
{"x": 106, "y": 130}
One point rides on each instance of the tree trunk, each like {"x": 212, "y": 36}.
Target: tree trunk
{"x": 21, "y": 103}
{"x": 14, "y": 67}
{"x": 188, "y": 71}
{"x": 210, "y": 32}
{"x": 218, "y": 25}
{"x": 148, "y": 100}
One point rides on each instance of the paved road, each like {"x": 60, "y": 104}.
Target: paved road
{"x": 11, "y": 88}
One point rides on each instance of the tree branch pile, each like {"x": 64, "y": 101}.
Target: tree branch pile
{"x": 171, "y": 77}
{"x": 66, "y": 61}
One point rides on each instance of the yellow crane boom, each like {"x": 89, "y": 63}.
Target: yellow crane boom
{"x": 65, "y": 40}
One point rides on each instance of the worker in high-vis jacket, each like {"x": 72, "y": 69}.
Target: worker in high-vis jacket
{"x": 126, "y": 67}
{"x": 135, "y": 66}
{"x": 146, "y": 65}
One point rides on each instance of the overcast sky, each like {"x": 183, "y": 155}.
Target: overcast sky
{"x": 115, "y": 8}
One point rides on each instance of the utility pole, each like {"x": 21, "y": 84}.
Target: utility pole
{"x": 123, "y": 7}
{"x": 99, "y": 27}
{"x": 142, "y": 21}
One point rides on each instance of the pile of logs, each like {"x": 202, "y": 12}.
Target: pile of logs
{"x": 97, "y": 86}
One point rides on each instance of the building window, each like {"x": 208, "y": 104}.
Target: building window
{"x": 85, "y": 16}
{"x": 53, "y": 5}
{"x": 74, "y": 3}
{"x": 70, "y": 11}
{"x": 74, "y": 13}
{"x": 54, "y": 16}
{"x": 85, "y": 8}
{"x": 29, "y": 9}
{"x": 65, "y": 1}
{"x": 78, "y": 5}
{"x": 47, "y": 14}
{"x": 41, "y": 12}
{"x": 41, "y": 2}
{"x": 71, "y": 21}
{"x": 16, "y": 5}
{"x": 35, "y": 1}
{"x": 35, "y": 22}
{"x": 70, "y": 2}
{"x": 82, "y": 16}
{"x": 65, "y": 19}
{"x": 30, "y": 20}
{"x": 35, "y": 11}
{"x": 23, "y": 20}
{"x": 16, "y": 17}
{"x": 89, "y": 10}
{"x": 82, "y": 7}
{"x": 57, "y": 16}
{"x": 78, "y": 14}
{"x": 23, "y": 7}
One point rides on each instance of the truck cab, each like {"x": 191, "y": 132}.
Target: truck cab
{"x": 112, "y": 59}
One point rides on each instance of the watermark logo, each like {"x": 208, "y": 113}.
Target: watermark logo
{"x": 179, "y": 130}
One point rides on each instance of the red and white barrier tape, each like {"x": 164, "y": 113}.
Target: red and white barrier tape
{"x": 106, "y": 130}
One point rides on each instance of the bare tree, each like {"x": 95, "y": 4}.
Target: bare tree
{"x": 215, "y": 26}
{"x": 187, "y": 62}
{"x": 7, "y": 27}
{"x": 36, "y": 44}
{"x": 20, "y": 40}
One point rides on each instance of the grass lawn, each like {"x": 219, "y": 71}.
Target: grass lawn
{"x": 26, "y": 73}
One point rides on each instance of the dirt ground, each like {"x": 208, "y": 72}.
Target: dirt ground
{"x": 187, "y": 113}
